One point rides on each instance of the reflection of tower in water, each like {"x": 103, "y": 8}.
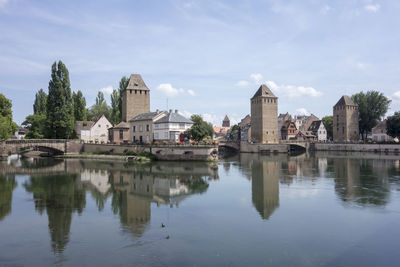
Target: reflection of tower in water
{"x": 265, "y": 187}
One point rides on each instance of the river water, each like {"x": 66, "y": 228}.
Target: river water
{"x": 248, "y": 210}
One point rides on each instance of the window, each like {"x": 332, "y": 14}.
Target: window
{"x": 134, "y": 129}
{"x": 130, "y": 91}
{"x": 140, "y": 128}
{"x": 147, "y": 127}
{"x": 181, "y": 125}
{"x": 99, "y": 125}
{"x": 135, "y": 92}
{"x": 121, "y": 134}
{"x": 155, "y": 126}
{"x": 156, "y": 136}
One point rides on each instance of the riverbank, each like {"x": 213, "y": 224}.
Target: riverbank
{"x": 136, "y": 158}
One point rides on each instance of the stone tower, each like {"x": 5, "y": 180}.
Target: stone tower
{"x": 264, "y": 116}
{"x": 226, "y": 122}
{"x": 345, "y": 120}
{"x": 135, "y": 98}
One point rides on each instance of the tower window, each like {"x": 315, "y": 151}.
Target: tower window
{"x": 140, "y": 91}
{"x": 130, "y": 91}
{"x": 135, "y": 91}
{"x": 145, "y": 92}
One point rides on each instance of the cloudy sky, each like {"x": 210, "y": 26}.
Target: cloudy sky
{"x": 205, "y": 57}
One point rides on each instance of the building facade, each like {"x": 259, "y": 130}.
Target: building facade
{"x": 318, "y": 129}
{"x": 379, "y": 133}
{"x": 288, "y": 130}
{"x": 264, "y": 116}
{"x": 135, "y": 98}
{"x": 170, "y": 126}
{"x": 93, "y": 131}
{"x": 345, "y": 121}
{"x": 120, "y": 133}
{"x": 142, "y": 126}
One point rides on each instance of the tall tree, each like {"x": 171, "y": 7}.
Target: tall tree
{"x": 7, "y": 126}
{"x": 393, "y": 125}
{"x": 36, "y": 123}
{"x": 60, "y": 114}
{"x": 100, "y": 108}
{"x": 79, "y": 106}
{"x": 115, "y": 104}
{"x": 328, "y": 123}
{"x": 372, "y": 106}
{"x": 200, "y": 129}
{"x": 40, "y": 104}
{"x": 123, "y": 84}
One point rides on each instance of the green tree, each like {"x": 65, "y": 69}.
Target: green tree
{"x": 40, "y": 104}
{"x": 7, "y": 126}
{"x": 60, "y": 113}
{"x": 328, "y": 123}
{"x": 200, "y": 129}
{"x": 36, "y": 124}
{"x": 393, "y": 125}
{"x": 234, "y": 133}
{"x": 79, "y": 106}
{"x": 99, "y": 108}
{"x": 123, "y": 84}
{"x": 372, "y": 106}
{"x": 115, "y": 107}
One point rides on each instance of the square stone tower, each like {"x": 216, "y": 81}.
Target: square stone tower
{"x": 345, "y": 121}
{"x": 264, "y": 116}
{"x": 135, "y": 98}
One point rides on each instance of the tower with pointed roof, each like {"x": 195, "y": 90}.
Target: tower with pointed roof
{"x": 264, "y": 116}
{"x": 135, "y": 98}
{"x": 226, "y": 122}
{"x": 345, "y": 121}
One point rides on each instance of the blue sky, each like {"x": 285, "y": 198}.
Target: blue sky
{"x": 205, "y": 57}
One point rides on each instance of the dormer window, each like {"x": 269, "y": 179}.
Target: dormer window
{"x": 136, "y": 84}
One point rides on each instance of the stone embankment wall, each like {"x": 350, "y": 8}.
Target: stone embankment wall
{"x": 263, "y": 148}
{"x": 374, "y": 148}
{"x": 161, "y": 152}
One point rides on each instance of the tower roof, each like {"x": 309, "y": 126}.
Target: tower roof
{"x": 226, "y": 118}
{"x": 136, "y": 82}
{"x": 264, "y": 91}
{"x": 345, "y": 101}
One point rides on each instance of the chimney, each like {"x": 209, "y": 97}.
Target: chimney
{"x": 170, "y": 111}
{"x": 176, "y": 111}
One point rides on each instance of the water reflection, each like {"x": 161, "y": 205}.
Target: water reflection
{"x": 7, "y": 186}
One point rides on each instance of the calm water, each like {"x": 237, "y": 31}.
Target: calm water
{"x": 248, "y": 210}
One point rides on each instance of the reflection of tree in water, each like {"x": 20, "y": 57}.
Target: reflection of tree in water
{"x": 7, "y": 186}
{"x": 37, "y": 163}
{"x": 196, "y": 184}
{"x": 358, "y": 182}
{"x": 59, "y": 196}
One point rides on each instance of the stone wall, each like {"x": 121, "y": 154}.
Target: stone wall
{"x": 263, "y": 148}
{"x": 374, "y": 148}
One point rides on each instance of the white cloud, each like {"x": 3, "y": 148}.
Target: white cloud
{"x": 396, "y": 96}
{"x": 372, "y": 8}
{"x": 3, "y": 3}
{"x": 281, "y": 90}
{"x": 107, "y": 90}
{"x": 167, "y": 89}
{"x": 293, "y": 90}
{"x": 325, "y": 10}
{"x": 191, "y": 92}
{"x": 257, "y": 77}
{"x": 303, "y": 111}
{"x": 243, "y": 83}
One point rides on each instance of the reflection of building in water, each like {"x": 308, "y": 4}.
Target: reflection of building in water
{"x": 322, "y": 166}
{"x": 265, "y": 187}
{"x": 97, "y": 178}
{"x": 358, "y": 182}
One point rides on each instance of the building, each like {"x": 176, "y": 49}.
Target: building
{"x": 226, "y": 122}
{"x": 220, "y": 132}
{"x": 142, "y": 126}
{"x": 20, "y": 133}
{"x": 135, "y": 98}
{"x": 264, "y": 116}
{"x": 120, "y": 133}
{"x": 306, "y": 136}
{"x": 288, "y": 130}
{"x": 318, "y": 129}
{"x": 304, "y": 122}
{"x": 245, "y": 128}
{"x": 345, "y": 121}
{"x": 281, "y": 119}
{"x": 379, "y": 133}
{"x": 93, "y": 131}
{"x": 170, "y": 126}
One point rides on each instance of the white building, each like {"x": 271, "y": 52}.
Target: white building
{"x": 93, "y": 131}
{"x": 171, "y": 126}
{"x": 379, "y": 133}
{"x": 318, "y": 129}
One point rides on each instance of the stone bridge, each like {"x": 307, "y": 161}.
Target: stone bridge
{"x": 53, "y": 146}
{"x": 296, "y": 145}
{"x": 230, "y": 145}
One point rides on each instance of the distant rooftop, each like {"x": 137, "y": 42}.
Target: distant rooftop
{"x": 146, "y": 116}
{"x": 345, "y": 101}
{"x": 174, "y": 117}
{"x": 136, "y": 82}
{"x": 264, "y": 91}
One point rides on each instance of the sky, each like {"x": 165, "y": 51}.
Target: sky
{"x": 204, "y": 57}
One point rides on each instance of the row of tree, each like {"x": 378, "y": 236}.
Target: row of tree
{"x": 7, "y": 125}
{"x": 54, "y": 113}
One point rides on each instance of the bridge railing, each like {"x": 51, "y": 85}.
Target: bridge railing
{"x": 36, "y": 141}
